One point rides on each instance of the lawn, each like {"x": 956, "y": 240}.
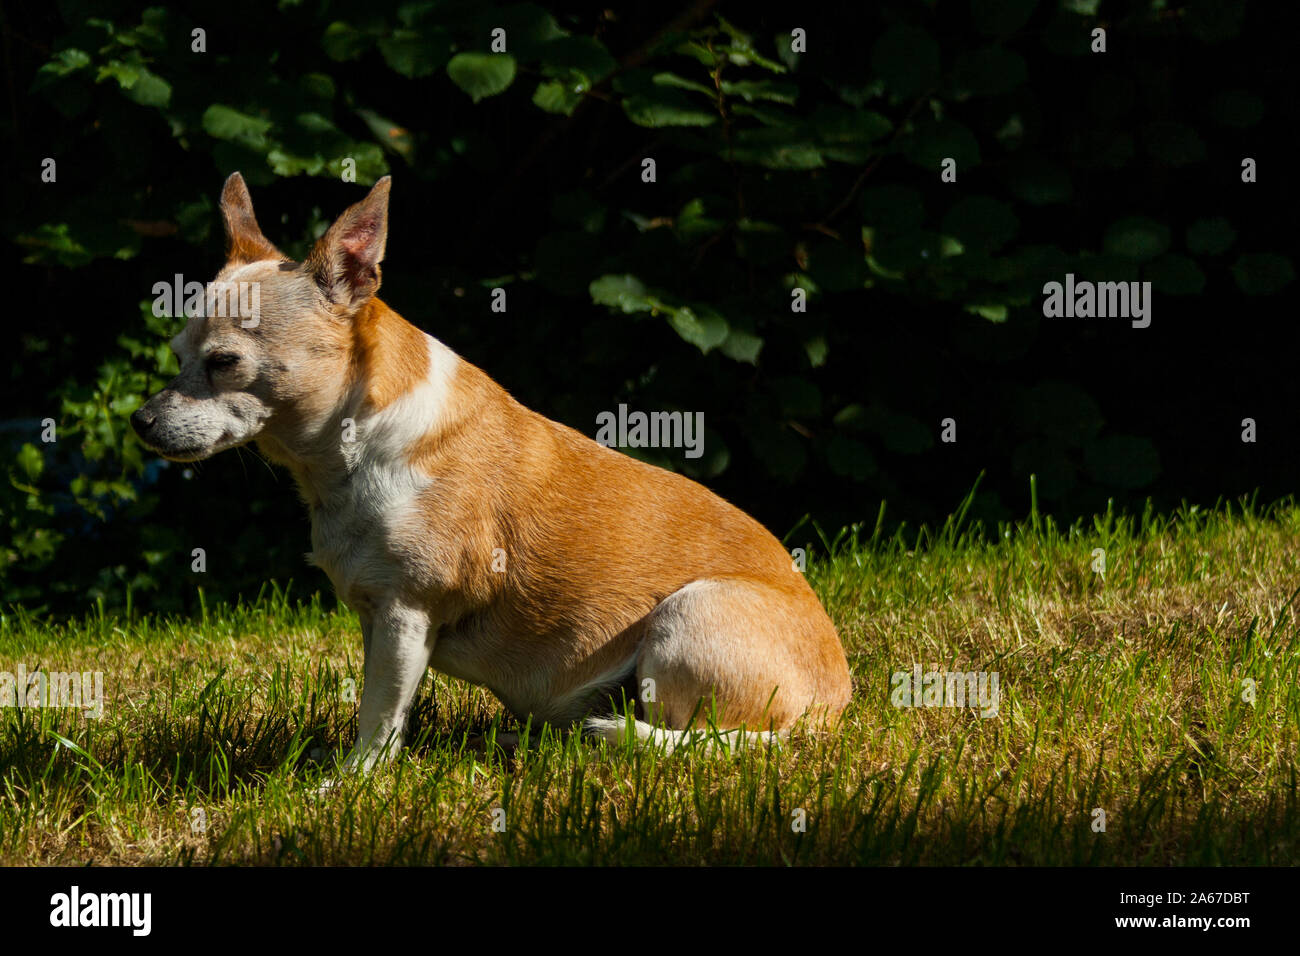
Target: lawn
{"x": 1159, "y": 697}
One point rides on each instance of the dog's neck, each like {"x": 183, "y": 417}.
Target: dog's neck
{"x": 395, "y": 398}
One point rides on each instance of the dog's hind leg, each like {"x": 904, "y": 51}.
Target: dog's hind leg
{"x": 739, "y": 654}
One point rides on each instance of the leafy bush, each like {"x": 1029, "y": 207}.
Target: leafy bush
{"x": 796, "y": 158}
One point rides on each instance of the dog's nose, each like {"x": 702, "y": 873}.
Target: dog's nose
{"x": 142, "y": 420}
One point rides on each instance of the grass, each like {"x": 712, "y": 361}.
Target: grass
{"x": 1121, "y": 692}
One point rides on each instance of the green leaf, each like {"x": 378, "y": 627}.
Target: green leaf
{"x": 578, "y": 209}
{"x": 907, "y": 59}
{"x": 529, "y": 28}
{"x": 370, "y": 161}
{"x": 681, "y": 83}
{"x": 994, "y": 313}
{"x": 779, "y": 449}
{"x": 287, "y": 164}
{"x": 692, "y": 223}
{"x": 1213, "y": 21}
{"x": 223, "y": 122}
{"x": 785, "y": 50}
{"x": 933, "y": 141}
{"x": 850, "y": 458}
{"x": 1236, "y": 109}
{"x": 847, "y": 135}
{"x": 766, "y": 115}
{"x": 317, "y": 125}
{"x": 742, "y": 346}
{"x": 1136, "y": 237}
{"x": 342, "y": 41}
{"x": 981, "y": 222}
{"x": 774, "y": 149}
{"x": 583, "y": 55}
{"x": 414, "y": 54}
{"x": 391, "y": 136}
{"x": 894, "y": 254}
{"x": 53, "y": 242}
{"x": 816, "y": 349}
{"x": 150, "y": 90}
{"x": 625, "y": 292}
{"x": 705, "y": 330}
{"x": 793, "y": 156}
{"x": 759, "y": 90}
{"x": 1001, "y": 17}
{"x": 1176, "y": 275}
{"x": 1210, "y": 237}
{"x": 125, "y": 73}
{"x": 665, "y": 106}
{"x": 741, "y": 50}
{"x": 482, "y": 74}
{"x": 900, "y": 432}
{"x": 1174, "y": 144}
{"x": 762, "y": 243}
{"x": 1037, "y": 181}
{"x": 556, "y": 96}
{"x": 61, "y": 64}
{"x": 31, "y": 461}
{"x": 317, "y": 85}
{"x": 1262, "y": 273}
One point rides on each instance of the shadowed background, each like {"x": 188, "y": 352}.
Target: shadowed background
{"x": 774, "y": 169}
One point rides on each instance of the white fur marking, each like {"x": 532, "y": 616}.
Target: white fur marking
{"x": 613, "y": 730}
{"x": 381, "y": 487}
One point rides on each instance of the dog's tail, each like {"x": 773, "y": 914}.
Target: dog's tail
{"x": 614, "y": 730}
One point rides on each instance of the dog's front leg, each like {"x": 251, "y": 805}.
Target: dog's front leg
{"x": 398, "y": 642}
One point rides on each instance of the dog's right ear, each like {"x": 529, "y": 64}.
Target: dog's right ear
{"x": 245, "y": 242}
{"x": 345, "y": 261}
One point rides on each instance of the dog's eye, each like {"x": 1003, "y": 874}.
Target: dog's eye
{"x": 219, "y": 360}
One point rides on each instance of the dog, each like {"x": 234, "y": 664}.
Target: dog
{"x": 480, "y": 538}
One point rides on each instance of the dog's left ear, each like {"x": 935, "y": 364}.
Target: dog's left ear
{"x": 244, "y": 237}
{"x": 345, "y": 261}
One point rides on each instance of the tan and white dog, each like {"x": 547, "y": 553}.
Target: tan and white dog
{"x": 477, "y": 537}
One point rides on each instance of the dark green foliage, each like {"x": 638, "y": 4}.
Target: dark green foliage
{"x": 774, "y": 171}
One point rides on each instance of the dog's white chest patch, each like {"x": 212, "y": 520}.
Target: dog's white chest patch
{"x": 349, "y": 545}
{"x": 353, "y": 529}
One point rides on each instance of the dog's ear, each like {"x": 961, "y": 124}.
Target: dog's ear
{"x": 245, "y": 242}
{"x": 345, "y": 261}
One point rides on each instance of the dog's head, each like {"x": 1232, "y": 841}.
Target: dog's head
{"x": 270, "y": 356}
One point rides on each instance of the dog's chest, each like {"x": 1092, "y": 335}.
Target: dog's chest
{"x": 352, "y": 534}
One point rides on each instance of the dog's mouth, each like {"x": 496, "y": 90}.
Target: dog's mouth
{"x": 185, "y": 456}
{"x": 194, "y": 453}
